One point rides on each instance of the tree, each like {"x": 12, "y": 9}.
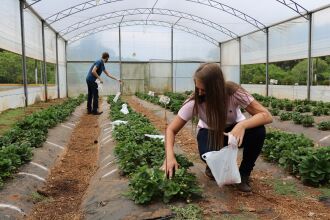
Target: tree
{"x": 10, "y": 67}
{"x": 253, "y": 73}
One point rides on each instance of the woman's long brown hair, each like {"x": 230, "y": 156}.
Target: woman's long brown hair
{"x": 217, "y": 92}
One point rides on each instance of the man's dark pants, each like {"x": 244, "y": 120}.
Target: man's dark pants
{"x": 93, "y": 94}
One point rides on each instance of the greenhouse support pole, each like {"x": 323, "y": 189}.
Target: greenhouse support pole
{"x": 44, "y": 57}
{"x": 220, "y": 53}
{"x": 57, "y": 70}
{"x": 267, "y": 61}
{"x": 66, "y": 70}
{"x": 220, "y": 46}
{"x": 172, "y": 72}
{"x": 23, "y": 52}
{"x": 120, "y": 63}
{"x": 309, "y": 71}
{"x": 240, "y": 59}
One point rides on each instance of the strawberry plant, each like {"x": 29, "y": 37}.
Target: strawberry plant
{"x": 297, "y": 154}
{"x": 302, "y": 108}
{"x": 317, "y": 111}
{"x": 324, "y": 125}
{"x": 307, "y": 120}
{"x": 140, "y": 159}
{"x": 149, "y": 184}
{"x": 315, "y": 167}
{"x": 274, "y": 111}
{"x": 297, "y": 117}
{"x": 325, "y": 111}
{"x": 286, "y": 149}
{"x": 285, "y": 116}
{"x": 288, "y": 105}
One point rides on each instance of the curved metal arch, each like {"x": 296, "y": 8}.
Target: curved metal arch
{"x": 295, "y": 7}
{"x": 230, "y": 10}
{"x": 77, "y": 8}
{"x": 212, "y": 3}
{"x": 168, "y": 12}
{"x": 143, "y": 22}
{"x": 27, "y": 5}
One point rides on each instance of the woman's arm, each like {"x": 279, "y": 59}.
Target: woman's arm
{"x": 174, "y": 127}
{"x": 260, "y": 116}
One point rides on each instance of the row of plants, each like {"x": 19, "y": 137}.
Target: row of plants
{"x": 297, "y": 154}
{"x": 176, "y": 99}
{"x": 140, "y": 158}
{"x": 300, "y": 107}
{"x": 16, "y": 145}
{"x": 318, "y": 108}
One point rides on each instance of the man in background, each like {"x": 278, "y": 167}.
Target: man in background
{"x": 94, "y": 73}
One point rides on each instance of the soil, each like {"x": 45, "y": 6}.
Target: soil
{"x": 69, "y": 179}
{"x": 24, "y": 112}
{"x": 227, "y": 202}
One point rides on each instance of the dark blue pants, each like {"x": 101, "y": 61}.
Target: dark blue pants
{"x": 93, "y": 95}
{"x": 252, "y": 144}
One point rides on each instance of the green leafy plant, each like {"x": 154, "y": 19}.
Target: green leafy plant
{"x": 324, "y": 125}
{"x": 297, "y": 117}
{"x": 288, "y": 105}
{"x": 274, "y": 111}
{"x": 285, "y": 116}
{"x": 317, "y": 111}
{"x": 315, "y": 167}
{"x": 140, "y": 159}
{"x": 307, "y": 121}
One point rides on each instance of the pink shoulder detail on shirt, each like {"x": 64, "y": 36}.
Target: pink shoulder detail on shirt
{"x": 186, "y": 111}
{"x": 242, "y": 98}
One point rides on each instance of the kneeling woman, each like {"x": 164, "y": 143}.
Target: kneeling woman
{"x": 217, "y": 104}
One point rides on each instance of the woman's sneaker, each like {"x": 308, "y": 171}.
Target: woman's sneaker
{"x": 244, "y": 186}
{"x": 208, "y": 173}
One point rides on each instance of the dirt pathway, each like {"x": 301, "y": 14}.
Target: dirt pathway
{"x": 227, "y": 202}
{"x": 70, "y": 178}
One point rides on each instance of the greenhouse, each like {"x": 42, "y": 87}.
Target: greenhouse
{"x": 155, "y": 109}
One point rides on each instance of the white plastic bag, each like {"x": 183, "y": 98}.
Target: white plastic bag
{"x": 151, "y": 93}
{"x": 164, "y": 99}
{"x": 223, "y": 163}
{"x": 115, "y": 99}
{"x": 155, "y": 136}
{"x": 99, "y": 84}
{"x": 117, "y": 122}
{"x": 124, "y": 109}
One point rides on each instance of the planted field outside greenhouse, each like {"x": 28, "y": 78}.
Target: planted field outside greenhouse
{"x": 156, "y": 109}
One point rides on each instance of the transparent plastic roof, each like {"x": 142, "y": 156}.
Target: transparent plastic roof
{"x": 213, "y": 19}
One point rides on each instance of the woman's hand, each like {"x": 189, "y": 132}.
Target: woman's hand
{"x": 171, "y": 166}
{"x": 238, "y": 132}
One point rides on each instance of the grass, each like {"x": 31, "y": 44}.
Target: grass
{"x": 191, "y": 212}
{"x": 286, "y": 188}
{"x": 9, "y": 117}
{"x": 325, "y": 192}
{"x": 247, "y": 216}
{"x": 36, "y": 197}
